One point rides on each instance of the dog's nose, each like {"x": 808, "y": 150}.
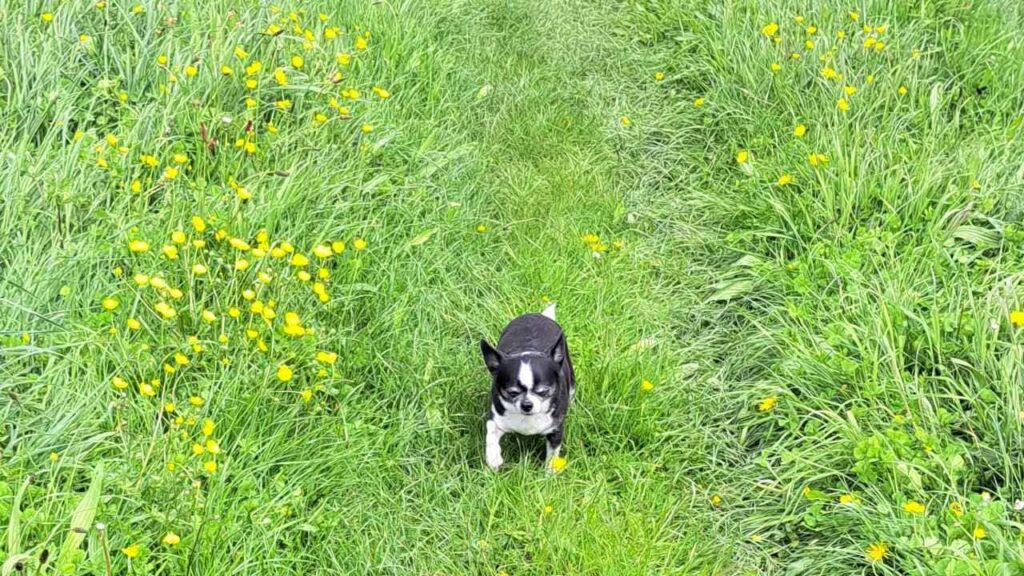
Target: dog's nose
{"x": 526, "y": 405}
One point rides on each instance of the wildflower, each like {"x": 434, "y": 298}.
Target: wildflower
{"x": 226, "y": 70}
{"x": 646, "y": 386}
{"x": 914, "y": 507}
{"x": 196, "y": 400}
{"x": 298, "y": 260}
{"x": 209, "y": 317}
{"x": 716, "y": 500}
{"x": 809, "y": 44}
{"x": 784, "y": 180}
{"x": 815, "y": 159}
{"x": 273, "y": 30}
{"x": 854, "y": 16}
{"x": 558, "y": 464}
{"x": 171, "y": 539}
{"x": 330, "y": 33}
{"x": 549, "y": 509}
{"x": 326, "y": 357}
{"x": 1017, "y": 317}
{"x": 170, "y": 173}
{"x": 84, "y": 39}
{"x": 876, "y": 552}
{"x": 360, "y": 43}
{"x": 284, "y": 373}
{"x": 979, "y": 532}
{"x": 131, "y": 551}
{"x": 359, "y": 244}
{"x": 366, "y": 128}
{"x": 843, "y": 105}
{"x": 841, "y": 34}
{"x": 320, "y": 118}
{"x": 870, "y": 42}
{"x": 800, "y": 130}
{"x": 306, "y": 395}
{"x": 770, "y": 29}
{"x": 849, "y": 499}
{"x": 742, "y": 156}
{"x": 170, "y": 407}
{"x": 902, "y": 90}
{"x": 180, "y": 359}
{"x": 766, "y": 404}
{"x": 161, "y": 59}
{"x": 138, "y": 246}
{"x": 284, "y": 104}
{"x": 384, "y": 94}
{"x": 118, "y": 382}
{"x": 46, "y": 17}
{"x": 625, "y": 121}
{"x": 338, "y": 246}
{"x": 342, "y": 58}
{"x": 297, "y": 61}
{"x": 775, "y": 67}
{"x": 829, "y": 73}
{"x": 812, "y": 30}
{"x": 169, "y": 251}
{"x": 133, "y": 324}
{"x": 698, "y": 102}
{"x": 850, "y": 90}
{"x": 794, "y": 56}
{"x": 110, "y": 303}
{"x": 146, "y": 389}
{"x": 191, "y": 71}
{"x": 481, "y": 228}
{"x": 165, "y": 310}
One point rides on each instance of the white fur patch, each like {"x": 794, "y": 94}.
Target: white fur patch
{"x": 525, "y": 375}
{"x": 525, "y": 424}
{"x": 549, "y": 311}
{"x": 492, "y": 446}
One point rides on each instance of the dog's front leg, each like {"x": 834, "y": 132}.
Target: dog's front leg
{"x": 492, "y": 445}
{"x": 554, "y": 445}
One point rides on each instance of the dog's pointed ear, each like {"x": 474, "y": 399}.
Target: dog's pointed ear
{"x": 492, "y": 358}
{"x": 558, "y": 350}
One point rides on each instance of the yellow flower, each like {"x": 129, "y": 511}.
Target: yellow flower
{"x": 902, "y": 90}
{"x": 659, "y": 76}
{"x": 698, "y": 102}
{"x": 558, "y": 464}
{"x": 161, "y": 59}
{"x": 272, "y": 30}
{"x": 914, "y": 507}
{"x": 876, "y": 552}
{"x": 815, "y": 159}
{"x": 956, "y": 508}
{"x": 979, "y": 532}
{"x": 330, "y": 33}
{"x": 298, "y": 260}
{"x": 297, "y": 61}
{"x": 829, "y": 73}
{"x": 165, "y": 310}
{"x": 481, "y": 228}
{"x": 212, "y": 446}
{"x": 320, "y": 118}
{"x": 134, "y": 324}
{"x": 646, "y": 386}
{"x": 306, "y": 395}
{"x": 784, "y": 180}
{"x": 800, "y": 130}
{"x": 110, "y": 303}
{"x": 381, "y": 93}
{"x": 360, "y": 43}
{"x": 196, "y": 400}
{"x": 226, "y": 70}
{"x": 366, "y": 128}
{"x": 854, "y": 16}
{"x": 118, "y": 382}
{"x": 240, "y": 53}
{"x": 171, "y": 252}
{"x": 138, "y": 246}
{"x": 850, "y": 90}
{"x": 549, "y": 509}
{"x": 766, "y": 404}
{"x": 812, "y": 30}
{"x": 338, "y": 246}
{"x": 46, "y": 17}
{"x": 131, "y": 551}
{"x": 770, "y": 29}
{"x": 359, "y": 244}
{"x": 146, "y": 389}
{"x": 849, "y": 499}
{"x": 54, "y": 456}
{"x": 170, "y": 407}
{"x": 716, "y": 500}
{"x": 199, "y": 269}
{"x": 191, "y": 71}
{"x": 284, "y": 104}
{"x": 843, "y": 105}
{"x": 915, "y": 54}
{"x": 210, "y": 466}
{"x": 180, "y": 359}
{"x": 809, "y": 44}
{"x": 84, "y": 38}
{"x": 1017, "y": 318}
{"x": 209, "y": 317}
{"x": 326, "y": 357}
{"x": 742, "y": 156}
{"x": 841, "y": 34}
{"x": 208, "y": 427}
{"x": 794, "y": 56}
{"x": 284, "y": 373}
{"x": 342, "y": 58}
{"x": 625, "y": 121}
{"x": 170, "y": 173}
{"x": 171, "y": 539}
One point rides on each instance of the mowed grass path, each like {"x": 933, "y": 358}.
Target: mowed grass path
{"x": 822, "y": 315}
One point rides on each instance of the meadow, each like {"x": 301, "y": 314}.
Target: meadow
{"x": 248, "y": 250}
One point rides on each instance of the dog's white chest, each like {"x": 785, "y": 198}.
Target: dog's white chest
{"x": 525, "y": 424}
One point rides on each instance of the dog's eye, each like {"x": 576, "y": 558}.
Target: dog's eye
{"x": 513, "y": 392}
{"x": 541, "y": 390}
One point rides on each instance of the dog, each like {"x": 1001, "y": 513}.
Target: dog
{"x": 532, "y": 383}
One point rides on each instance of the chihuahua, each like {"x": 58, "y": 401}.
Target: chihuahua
{"x": 533, "y": 383}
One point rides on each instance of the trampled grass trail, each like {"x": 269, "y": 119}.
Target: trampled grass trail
{"x": 249, "y": 251}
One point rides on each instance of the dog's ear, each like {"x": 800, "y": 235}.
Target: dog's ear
{"x": 558, "y": 350}
{"x": 492, "y": 358}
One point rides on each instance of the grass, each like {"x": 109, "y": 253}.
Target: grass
{"x": 835, "y": 361}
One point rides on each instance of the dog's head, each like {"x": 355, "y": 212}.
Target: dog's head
{"x": 526, "y": 383}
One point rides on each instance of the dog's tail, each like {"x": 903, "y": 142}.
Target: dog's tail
{"x": 549, "y": 311}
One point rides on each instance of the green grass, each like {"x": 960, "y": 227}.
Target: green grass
{"x": 842, "y": 338}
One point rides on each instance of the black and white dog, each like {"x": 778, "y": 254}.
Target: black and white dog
{"x": 533, "y": 383}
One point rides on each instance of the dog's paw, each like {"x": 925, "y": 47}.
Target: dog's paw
{"x": 494, "y": 461}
